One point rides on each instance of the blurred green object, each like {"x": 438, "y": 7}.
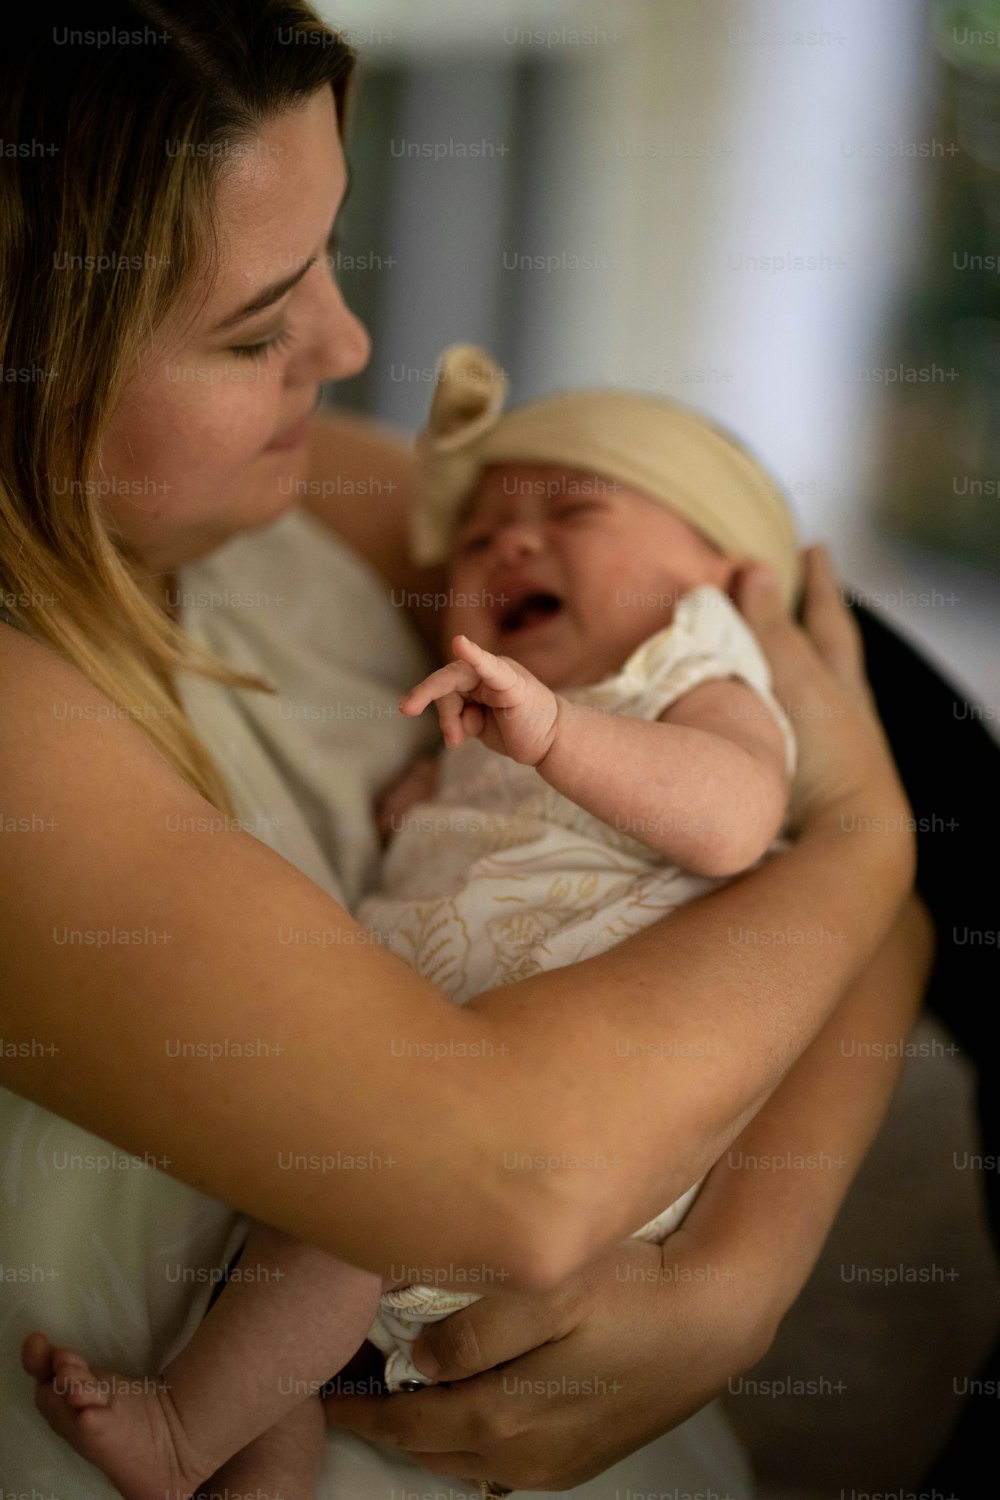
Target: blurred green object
{"x": 967, "y": 32}
{"x": 941, "y": 455}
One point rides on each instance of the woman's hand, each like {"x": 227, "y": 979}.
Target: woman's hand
{"x": 819, "y": 678}
{"x": 588, "y": 1373}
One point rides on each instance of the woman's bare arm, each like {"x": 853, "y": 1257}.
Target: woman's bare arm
{"x": 771, "y": 1225}
{"x": 379, "y": 1112}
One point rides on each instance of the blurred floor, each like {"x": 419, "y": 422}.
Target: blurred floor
{"x": 898, "y": 1351}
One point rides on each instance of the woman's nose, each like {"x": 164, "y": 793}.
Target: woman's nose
{"x": 351, "y": 344}
{"x": 342, "y": 345}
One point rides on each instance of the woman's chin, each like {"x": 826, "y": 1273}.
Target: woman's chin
{"x": 283, "y": 490}
{"x": 266, "y": 508}
{"x": 285, "y": 485}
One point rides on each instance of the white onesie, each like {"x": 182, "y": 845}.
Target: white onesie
{"x": 501, "y": 876}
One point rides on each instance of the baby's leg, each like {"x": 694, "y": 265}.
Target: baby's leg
{"x": 288, "y": 1319}
{"x": 285, "y": 1462}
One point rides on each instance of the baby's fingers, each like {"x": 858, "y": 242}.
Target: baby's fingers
{"x": 457, "y": 676}
{"x": 473, "y": 720}
{"x": 496, "y": 672}
{"x": 451, "y": 709}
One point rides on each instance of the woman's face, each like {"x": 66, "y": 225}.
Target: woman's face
{"x": 210, "y": 436}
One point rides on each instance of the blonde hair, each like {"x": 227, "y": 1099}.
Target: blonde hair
{"x": 92, "y": 191}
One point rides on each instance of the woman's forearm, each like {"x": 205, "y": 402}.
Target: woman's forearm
{"x": 674, "y": 1038}
{"x": 526, "y": 1130}
{"x": 763, "y": 1215}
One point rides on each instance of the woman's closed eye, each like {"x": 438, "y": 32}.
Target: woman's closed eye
{"x": 264, "y": 347}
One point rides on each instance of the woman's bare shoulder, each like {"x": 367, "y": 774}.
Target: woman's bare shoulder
{"x": 58, "y": 730}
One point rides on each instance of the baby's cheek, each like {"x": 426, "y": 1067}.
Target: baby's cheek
{"x": 466, "y": 609}
{"x": 457, "y": 620}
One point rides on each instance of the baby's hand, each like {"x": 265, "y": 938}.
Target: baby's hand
{"x": 492, "y": 698}
{"x": 416, "y": 784}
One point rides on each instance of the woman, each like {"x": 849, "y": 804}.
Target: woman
{"x": 168, "y": 296}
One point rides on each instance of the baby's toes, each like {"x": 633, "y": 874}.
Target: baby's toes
{"x": 36, "y": 1356}
{"x": 77, "y": 1382}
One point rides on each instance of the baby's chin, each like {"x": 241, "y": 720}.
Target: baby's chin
{"x": 555, "y": 665}
{"x": 482, "y": 633}
{"x": 558, "y": 663}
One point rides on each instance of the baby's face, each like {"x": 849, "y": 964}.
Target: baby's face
{"x": 568, "y": 572}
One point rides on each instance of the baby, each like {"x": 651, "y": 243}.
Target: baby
{"x": 614, "y": 751}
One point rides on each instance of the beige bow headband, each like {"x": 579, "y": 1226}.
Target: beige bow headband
{"x": 646, "y": 443}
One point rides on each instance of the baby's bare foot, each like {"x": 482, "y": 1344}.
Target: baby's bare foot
{"x": 127, "y": 1427}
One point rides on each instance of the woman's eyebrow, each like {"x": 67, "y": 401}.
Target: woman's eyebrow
{"x": 277, "y": 289}
{"x": 265, "y": 298}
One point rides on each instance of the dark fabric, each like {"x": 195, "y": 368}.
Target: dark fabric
{"x": 950, "y": 765}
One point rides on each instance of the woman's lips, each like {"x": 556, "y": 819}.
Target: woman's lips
{"x": 292, "y": 436}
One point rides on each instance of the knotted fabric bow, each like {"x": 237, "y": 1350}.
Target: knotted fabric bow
{"x": 647, "y": 443}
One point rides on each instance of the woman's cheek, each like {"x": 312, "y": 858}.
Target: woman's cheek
{"x": 228, "y": 422}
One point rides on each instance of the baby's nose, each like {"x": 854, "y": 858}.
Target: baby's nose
{"x": 517, "y": 539}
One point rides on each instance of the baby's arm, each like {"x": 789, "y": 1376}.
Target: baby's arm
{"x": 706, "y": 784}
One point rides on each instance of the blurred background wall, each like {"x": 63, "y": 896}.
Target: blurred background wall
{"x": 728, "y": 201}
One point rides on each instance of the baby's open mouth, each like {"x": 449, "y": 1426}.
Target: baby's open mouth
{"x": 528, "y": 610}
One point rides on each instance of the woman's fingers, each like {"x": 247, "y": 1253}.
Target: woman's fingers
{"x": 435, "y": 1420}
{"x": 755, "y": 590}
{"x": 817, "y": 681}
{"x": 488, "y": 1333}
{"x": 793, "y": 663}
{"x": 828, "y": 622}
